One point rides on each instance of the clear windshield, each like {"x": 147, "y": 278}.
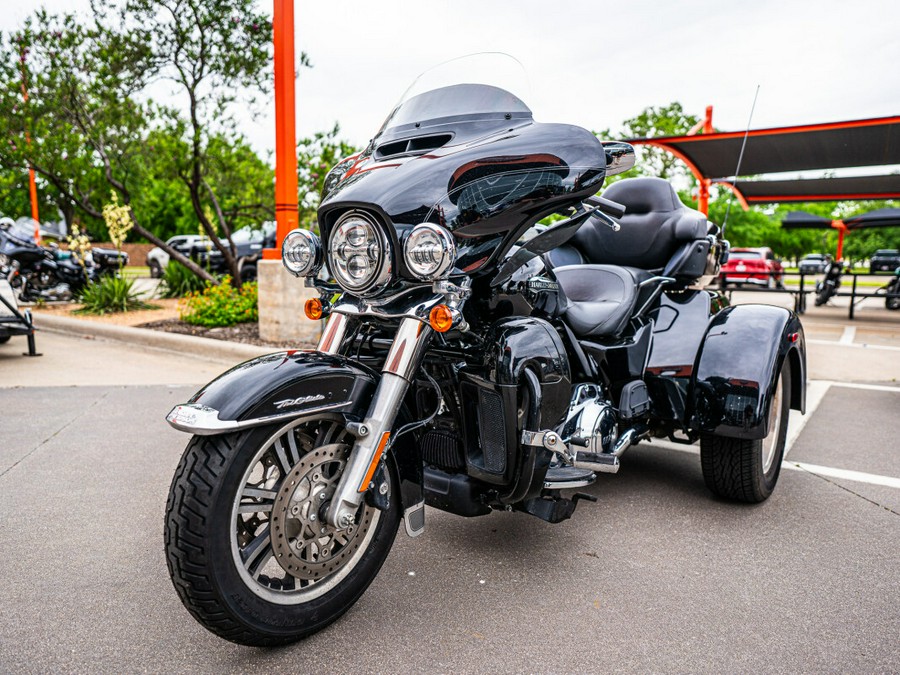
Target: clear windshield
{"x": 478, "y": 85}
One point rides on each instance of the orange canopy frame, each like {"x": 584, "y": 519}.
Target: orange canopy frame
{"x": 712, "y": 158}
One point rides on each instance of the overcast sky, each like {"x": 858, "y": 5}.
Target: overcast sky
{"x": 595, "y": 63}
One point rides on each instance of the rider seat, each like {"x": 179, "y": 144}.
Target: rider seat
{"x": 600, "y": 270}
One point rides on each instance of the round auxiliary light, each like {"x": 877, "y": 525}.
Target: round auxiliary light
{"x": 301, "y": 253}
{"x": 359, "y": 254}
{"x": 430, "y": 251}
{"x": 441, "y": 318}
{"x": 313, "y": 309}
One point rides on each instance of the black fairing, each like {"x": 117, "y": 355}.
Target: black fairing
{"x": 527, "y": 342}
{"x": 736, "y": 370}
{"x": 487, "y": 184}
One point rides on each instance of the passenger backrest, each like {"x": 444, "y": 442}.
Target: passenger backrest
{"x": 655, "y": 226}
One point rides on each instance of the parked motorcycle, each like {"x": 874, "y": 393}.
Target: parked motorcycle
{"x": 48, "y": 273}
{"x": 830, "y": 283}
{"x": 466, "y": 369}
{"x": 892, "y": 290}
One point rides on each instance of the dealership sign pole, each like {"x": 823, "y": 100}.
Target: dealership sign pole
{"x": 286, "y": 214}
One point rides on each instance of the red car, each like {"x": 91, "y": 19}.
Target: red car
{"x": 757, "y": 266}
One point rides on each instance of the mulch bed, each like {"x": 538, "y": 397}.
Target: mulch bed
{"x": 247, "y": 333}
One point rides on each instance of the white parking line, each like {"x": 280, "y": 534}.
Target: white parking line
{"x": 815, "y": 393}
{"x": 827, "y": 471}
{"x": 854, "y": 345}
{"x": 860, "y": 385}
{"x": 846, "y": 474}
{"x": 848, "y": 335}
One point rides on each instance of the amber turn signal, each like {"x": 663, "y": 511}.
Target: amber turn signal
{"x": 313, "y": 309}
{"x": 441, "y": 318}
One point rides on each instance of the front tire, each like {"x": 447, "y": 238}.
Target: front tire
{"x": 236, "y": 521}
{"x": 747, "y": 470}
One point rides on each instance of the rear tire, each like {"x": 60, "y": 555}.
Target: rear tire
{"x": 747, "y": 470}
{"x": 4, "y": 339}
{"x": 208, "y": 538}
{"x": 155, "y": 270}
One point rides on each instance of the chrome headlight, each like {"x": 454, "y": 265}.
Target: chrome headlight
{"x": 430, "y": 251}
{"x": 359, "y": 254}
{"x": 301, "y": 253}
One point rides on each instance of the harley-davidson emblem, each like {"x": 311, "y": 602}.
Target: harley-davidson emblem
{"x": 291, "y": 402}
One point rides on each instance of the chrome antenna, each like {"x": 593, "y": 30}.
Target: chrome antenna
{"x": 737, "y": 169}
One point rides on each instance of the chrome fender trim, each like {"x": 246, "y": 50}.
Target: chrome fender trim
{"x": 202, "y": 420}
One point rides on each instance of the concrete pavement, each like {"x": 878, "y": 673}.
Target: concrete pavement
{"x": 657, "y": 576}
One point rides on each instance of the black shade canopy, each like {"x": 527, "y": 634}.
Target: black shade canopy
{"x": 878, "y": 218}
{"x": 872, "y": 142}
{"x": 818, "y": 189}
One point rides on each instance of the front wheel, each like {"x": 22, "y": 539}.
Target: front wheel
{"x": 747, "y": 470}
{"x": 246, "y": 544}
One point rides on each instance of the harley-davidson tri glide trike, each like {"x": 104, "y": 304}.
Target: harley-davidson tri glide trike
{"x": 466, "y": 366}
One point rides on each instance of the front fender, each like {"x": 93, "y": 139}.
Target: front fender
{"x": 278, "y": 387}
{"x": 736, "y": 371}
{"x": 274, "y": 388}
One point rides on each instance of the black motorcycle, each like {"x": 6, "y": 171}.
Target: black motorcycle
{"x": 48, "y": 273}
{"x": 830, "y": 283}
{"x": 466, "y": 369}
{"x": 892, "y": 291}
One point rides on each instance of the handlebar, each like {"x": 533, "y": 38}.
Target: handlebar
{"x": 607, "y": 206}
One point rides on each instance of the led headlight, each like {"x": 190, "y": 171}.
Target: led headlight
{"x": 359, "y": 255}
{"x": 301, "y": 253}
{"x": 429, "y": 251}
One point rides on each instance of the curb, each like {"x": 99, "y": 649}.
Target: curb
{"x": 204, "y": 348}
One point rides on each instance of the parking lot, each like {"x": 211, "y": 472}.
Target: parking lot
{"x": 656, "y": 576}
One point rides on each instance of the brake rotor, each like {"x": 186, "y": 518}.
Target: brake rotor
{"x": 305, "y": 545}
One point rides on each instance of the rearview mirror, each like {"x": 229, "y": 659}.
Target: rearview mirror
{"x": 619, "y": 157}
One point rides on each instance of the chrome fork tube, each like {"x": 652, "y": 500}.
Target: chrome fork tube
{"x": 374, "y": 431}
{"x": 333, "y": 335}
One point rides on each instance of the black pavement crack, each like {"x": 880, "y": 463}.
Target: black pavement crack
{"x": 863, "y": 497}
{"x": 53, "y": 435}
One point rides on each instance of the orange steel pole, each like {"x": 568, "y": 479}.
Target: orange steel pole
{"x": 286, "y": 212}
{"x": 704, "y": 183}
{"x": 841, "y": 228}
{"x": 703, "y": 205}
{"x": 32, "y": 185}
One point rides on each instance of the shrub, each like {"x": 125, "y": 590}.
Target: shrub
{"x": 109, "y": 295}
{"x": 222, "y": 305}
{"x": 177, "y": 281}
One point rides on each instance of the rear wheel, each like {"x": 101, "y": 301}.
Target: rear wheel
{"x": 246, "y": 544}
{"x": 747, "y": 470}
{"x": 156, "y": 271}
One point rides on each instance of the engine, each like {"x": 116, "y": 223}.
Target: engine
{"x": 591, "y": 421}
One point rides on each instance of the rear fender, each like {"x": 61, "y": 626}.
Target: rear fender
{"x": 740, "y": 359}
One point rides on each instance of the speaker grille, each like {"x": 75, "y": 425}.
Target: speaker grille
{"x": 492, "y": 427}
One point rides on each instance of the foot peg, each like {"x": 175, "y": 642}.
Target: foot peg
{"x": 414, "y": 519}
{"x": 568, "y": 477}
{"x": 581, "y": 458}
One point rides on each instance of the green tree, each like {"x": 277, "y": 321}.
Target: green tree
{"x": 315, "y": 157}
{"x": 652, "y": 122}
{"x": 84, "y": 116}
{"x": 209, "y": 51}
